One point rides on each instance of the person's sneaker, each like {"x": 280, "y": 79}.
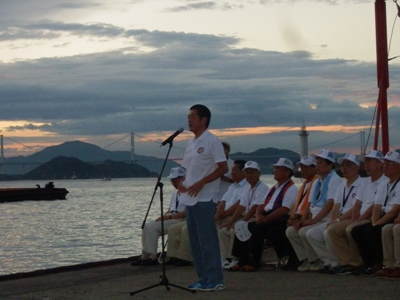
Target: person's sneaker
{"x": 225, "y": 262}
{"x": 372, "y": 270}
{"x": 234, "y": 262}
{"x": 211, "y": 288}
{"x": 395, "y": 274}
{"x": 385, "y": 272}
{"x": 305, "y": 266}
{"x": 345, "y": 270}
{"x": 291, "y": 264}
{"x": 137, "y": 262}
{"x": 182, "y": 263}
{"x": 171, "y": 261}
{"x": 325, "y": 269}
{"x": 196, "y": 286}
{"x": 316, "y": 265}
{"x": 149, "y": 262}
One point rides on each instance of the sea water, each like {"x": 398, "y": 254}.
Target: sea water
{"x": 100, "y": 220}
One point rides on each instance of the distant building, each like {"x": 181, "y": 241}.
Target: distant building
{"x": 303, "y": 134}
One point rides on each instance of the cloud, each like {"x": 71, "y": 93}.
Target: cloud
{"x": 119, "y": 91}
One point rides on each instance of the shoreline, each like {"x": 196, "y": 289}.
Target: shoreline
{"x": 56, "y": 270}
{"x": 117, "y": 279}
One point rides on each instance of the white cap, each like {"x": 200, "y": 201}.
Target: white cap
{"x": 326, "y": 154}
{"x": 252, "y": 165}
{"x": 393, "y": 156}
{"x": 284, "y": 162}
{"x": 350, "y": 157}
{"x": 176, "y": 172}
{"x": 307, "y": 160}
{"x": 373, "y": 154}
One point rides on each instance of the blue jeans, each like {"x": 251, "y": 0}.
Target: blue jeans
{"x": 204, "y": 244}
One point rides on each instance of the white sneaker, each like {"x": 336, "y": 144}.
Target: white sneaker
{"x": 316, "y": 265}
{"x": 234, "y": 262}
{"x": 305, "y": 266}
{"x": 225, "y": 262}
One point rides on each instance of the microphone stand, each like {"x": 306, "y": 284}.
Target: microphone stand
{"x": 163, "y": 278}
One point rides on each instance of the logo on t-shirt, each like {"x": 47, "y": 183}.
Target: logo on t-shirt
{"x": 200, "y": 150}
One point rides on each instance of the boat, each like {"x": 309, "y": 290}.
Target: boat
{"x": 49, "y": 192}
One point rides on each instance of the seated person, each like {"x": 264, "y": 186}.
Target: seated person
{"x": 253, "y": 196}
{"x": 391, "y": 250}
{"x": 152, "y": 230}
{"x": 226, "y": 208}
{"x": 339, "y": 235}
{"x": 320, "y": 203}
{"x": 341, "y": 213}
{"x": 271, "y": 219}
{"x": 368, "y": 237}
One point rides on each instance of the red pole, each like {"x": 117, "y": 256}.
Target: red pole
{"x": 382, "y": 72}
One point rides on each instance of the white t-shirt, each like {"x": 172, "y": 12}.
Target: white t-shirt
{"x": 254, "y": 196}
{"x": 176, "y": 205}
{"x": 347, "y": 195}
{"x": 367, "y": 191}
{"x": 288, "y": 199}
{"x": 201, "y": 158}
{"x": 333, "y": 185}
{"x": 235, "y": 193}
{"x": 388, "y": 194}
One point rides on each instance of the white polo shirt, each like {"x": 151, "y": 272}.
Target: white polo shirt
{"x": 367, "y": 191}
{"x": 347, "y": 195}
{"x": 235, "y": 193}
{"x": 176, "y": 204}
{"x": 200, "y": 159}
{"x": 254, "y": 196}
{"x": 388, "y": 194}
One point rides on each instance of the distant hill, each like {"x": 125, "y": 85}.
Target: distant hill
{"x": 95, "y": 156}
{"x": 266, "y": 157}
{"x": 67, "y": 167}
{"x": 86, "y": 153}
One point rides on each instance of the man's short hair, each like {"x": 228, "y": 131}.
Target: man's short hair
{"x": 203, "y": 112}
{"x": 240, "y": 163}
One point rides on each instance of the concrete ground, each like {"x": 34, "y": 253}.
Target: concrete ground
{"x": 117, "y": 279}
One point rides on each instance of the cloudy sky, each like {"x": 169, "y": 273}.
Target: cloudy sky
{"x": 97, "y": 70}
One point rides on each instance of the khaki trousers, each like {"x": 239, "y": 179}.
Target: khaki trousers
{"x": 391, "y": 245}
{"x": 226, "y": 239}
{"x": 339, "y": 238}
{"x": 300, "y": 243}
{"x": 178, "y": 242}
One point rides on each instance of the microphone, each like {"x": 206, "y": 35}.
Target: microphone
{"x": 171, "y": 138}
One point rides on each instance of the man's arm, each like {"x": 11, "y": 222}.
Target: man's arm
{"x": 275, "y": 215}
{"x": 236, "y": 216}
{"x": 389, "y": 216}
{"x": 194, "y": 189}
{"x": 322, "y": 214}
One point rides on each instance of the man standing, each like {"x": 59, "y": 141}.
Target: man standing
{"x": 205, "y": 163}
